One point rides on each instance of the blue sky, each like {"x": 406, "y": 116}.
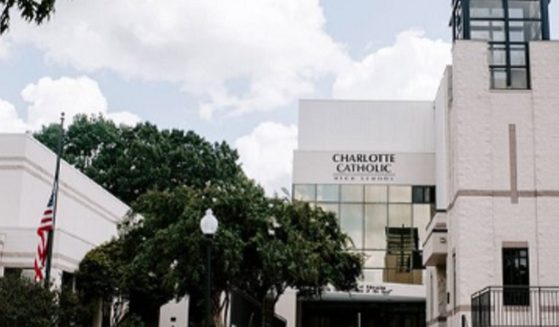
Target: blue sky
{"x": 229, "y": 70}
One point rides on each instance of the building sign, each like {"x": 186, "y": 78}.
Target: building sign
{"x": 364, "y": 166}
{"x": 365, "y": 288}
{"x": 348, "y": 167}
{"x": 369, "y": 288}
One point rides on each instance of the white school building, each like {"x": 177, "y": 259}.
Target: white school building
{"x": 470, "y": 180}
{"x": 87, "y": 214}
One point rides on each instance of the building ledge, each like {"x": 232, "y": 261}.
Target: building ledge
{"x": 435, "y": 246}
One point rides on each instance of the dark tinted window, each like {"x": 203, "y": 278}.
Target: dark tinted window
{"x": 516, "y": 276}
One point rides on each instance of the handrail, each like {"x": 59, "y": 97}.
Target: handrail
{"x": 515, "y": 306}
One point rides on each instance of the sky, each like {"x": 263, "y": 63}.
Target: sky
{"x": 230, "y": 70}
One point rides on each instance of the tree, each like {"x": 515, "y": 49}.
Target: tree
{"x": 129, "y": 161}
{"x": 171, "y": 257}
{"x": 296, "y": 231}
{"x": 23, "y": 303}
{"x": 30, "y": 10}
{"x": 170, "y": 178}
{"x": 258, "y": 247}
{"x": 98, "y": 281}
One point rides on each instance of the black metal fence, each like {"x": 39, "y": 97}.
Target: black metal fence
{"x": 515, "y": 306}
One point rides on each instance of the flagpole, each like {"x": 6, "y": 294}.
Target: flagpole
{"x": 50, "y": 239}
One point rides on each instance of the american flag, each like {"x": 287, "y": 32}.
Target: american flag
{"x": 43, "y": 231}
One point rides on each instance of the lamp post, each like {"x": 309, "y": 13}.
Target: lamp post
{"x": 208, "y": 225}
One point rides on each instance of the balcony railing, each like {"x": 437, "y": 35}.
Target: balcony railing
{"x": 515, "y": 306}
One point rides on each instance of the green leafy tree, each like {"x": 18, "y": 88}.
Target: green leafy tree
{"x": 173, "y": 250}
{"x": 72, "y": 310}
{"x": 129, "y": 161}
{"x": 295, "y": 234}
{"x": 258, "y": 248}
{"x": 170, "y": 178}
{"x": 98, "y": 280}
{"x": 24, "y": 303}
{"x": 30, "y": 10}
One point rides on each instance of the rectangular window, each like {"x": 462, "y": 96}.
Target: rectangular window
{"x": 399, "y": 194}
{"x": 487, "y": 30}
{"x": 400, "y": 244}
{"x": 516, "y": 276}
{"x": 519, "y": 78}
{"x": 352, "y": 193}
{"x": 423, "y": 194}
{"x": 497, "y": 54}
{"x": 498, "y": 78}
{"x": 524, "y": 31}
{"x": 400, "y": 215}
{"x": 486, "y": 9}
{"x": 376, "y": 217}
{"x": 351, "y": 223}
{"x": 508, "y": 26}
{"x": 304, "y": 192}
{"x": 376, "y": 194}
{"x": 524, "y": 9}
{"x": 518, "y": 55}
{"x": 328, "y": 193}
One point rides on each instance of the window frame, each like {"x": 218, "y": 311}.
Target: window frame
{"x": 463, "y": 17}
{"x": 516, "y": 288}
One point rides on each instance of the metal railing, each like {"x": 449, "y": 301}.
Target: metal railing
{"x": 515, "y": 306}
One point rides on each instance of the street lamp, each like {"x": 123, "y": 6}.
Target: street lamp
{"x": 208, "y": 225}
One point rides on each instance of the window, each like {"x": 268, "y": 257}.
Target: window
{"x": 366, "y": 212}
{"x": 376, "y": 217}
{"x": 399, "y": 194}
{"x": 400, "y": 215}
{"x": 516, "y": 276}
{"x": 508, "y": 26}
{"x": 423, "y": 194}
{"x": 304, "y": 192}
{"x": 400, "y": 244}
{"x": 376, "y": 194}
{"x": 352, "y": 193}
{"x": 487, "y": 8}
{"x": 351, "y": 223}
{"x": 327, "y": 193}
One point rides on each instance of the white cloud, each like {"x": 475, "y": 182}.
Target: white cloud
{"x": 236, "y": 57}
{"x": 267, "y": 154}
{"x": 124, "y": 118}
{"x": 4, "y": 48}
{"x": 279, "y": 47}
{"x": 410, "y": 69}
{"x": 48, "y": 98}
{"x": 9, "y": 120}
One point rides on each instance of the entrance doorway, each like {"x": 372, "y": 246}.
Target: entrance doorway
{"x": 362, "y": 314}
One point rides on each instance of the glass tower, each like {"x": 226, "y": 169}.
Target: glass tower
{"x": 508, "y": 26}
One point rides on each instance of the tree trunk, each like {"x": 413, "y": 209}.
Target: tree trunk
{"x": 146, "y": 310}
{"x": 267, "y": 308}
{"x": 98, "y": 313}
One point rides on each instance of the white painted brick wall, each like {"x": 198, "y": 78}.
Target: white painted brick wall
{"x": 479, "y": 160}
